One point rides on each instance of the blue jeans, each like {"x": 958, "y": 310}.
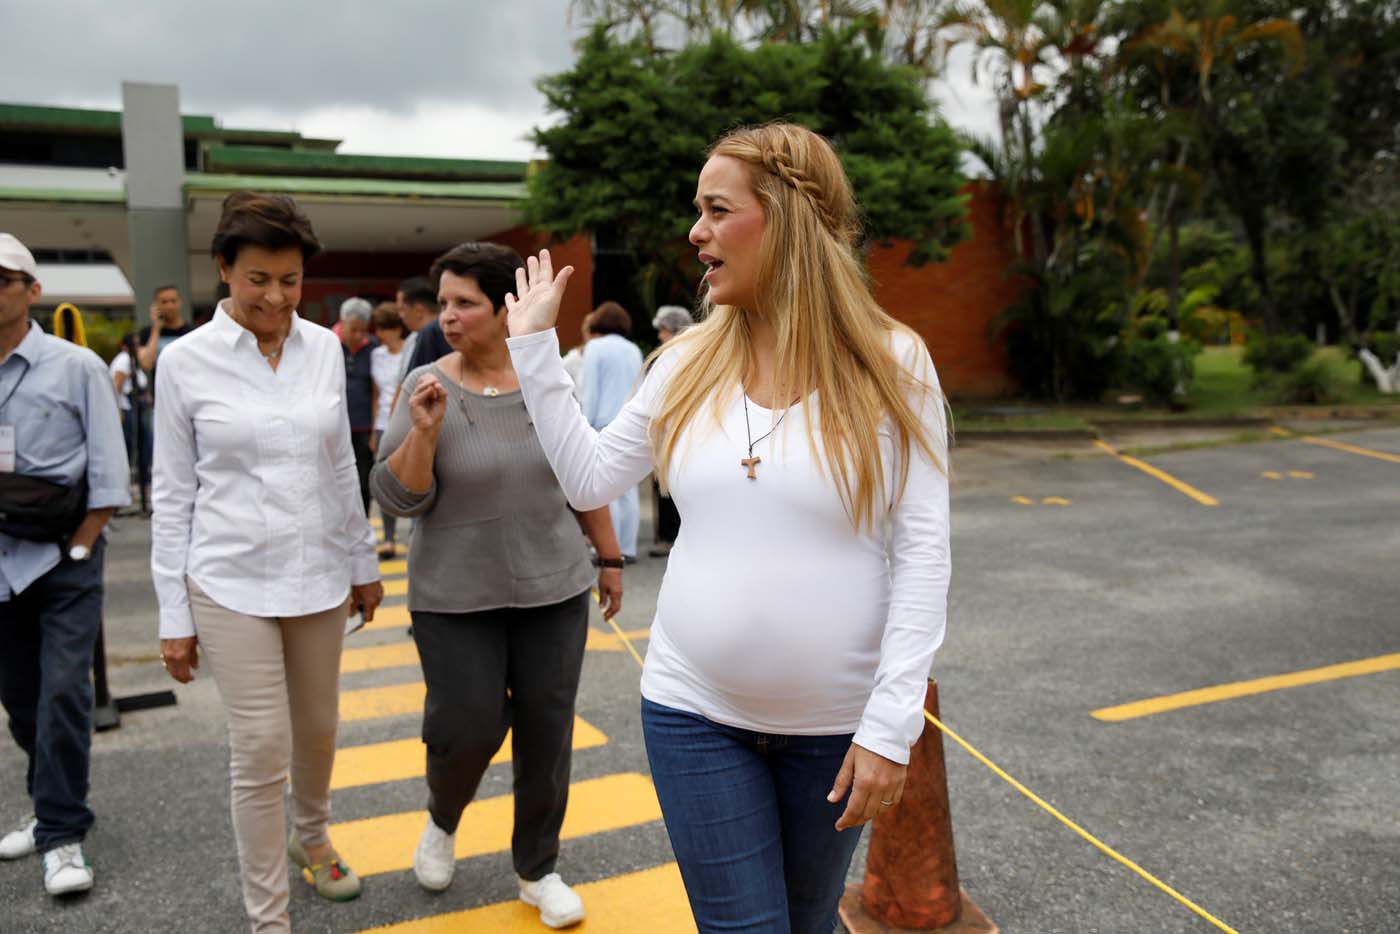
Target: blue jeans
{"x": 47, "y": 637}
{"x": 749, "y": 822}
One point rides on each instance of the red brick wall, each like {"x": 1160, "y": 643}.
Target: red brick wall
{"x": 576, "y": 252}
{"x": 952, "y": 304}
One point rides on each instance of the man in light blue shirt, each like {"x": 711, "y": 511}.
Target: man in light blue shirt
{"x": 612, "y": 367}
{"x": 58, "y": 422}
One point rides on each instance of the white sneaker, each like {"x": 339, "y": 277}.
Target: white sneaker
{"x": 434, "y": 861}
{"x": 65, "y": 870}
{"x": 559, "y": 905}
{"x": 20, "y": 841}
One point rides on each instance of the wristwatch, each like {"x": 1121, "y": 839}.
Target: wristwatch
{"x": 618, "y": 563}
{"x": 79, "y": 553}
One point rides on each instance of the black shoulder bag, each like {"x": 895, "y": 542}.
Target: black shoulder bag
{"x": 36, "y": 509}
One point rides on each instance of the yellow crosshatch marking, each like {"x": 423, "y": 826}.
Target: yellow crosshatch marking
{"x": 1022, "y": 501}
{"x": 599, "y": 641}
{"x": 389, "y": 617}
{"x": 404, "y": 758}
{"x": 395, "y": 587}
{"x": 385, "y": 844}
{"x": 1156, "y": 705}
{"x": 395, "y": 700}
{"x": 648, "y": 902}
{"x": 392, "y": 566}
{"x": 376, "y": 657}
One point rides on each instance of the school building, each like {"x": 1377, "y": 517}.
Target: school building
{"x": 114, "y": 203}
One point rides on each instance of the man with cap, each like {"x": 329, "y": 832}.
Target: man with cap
{"x": 59, "y": 436}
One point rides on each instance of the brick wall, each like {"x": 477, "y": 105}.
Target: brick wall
{"x": 953, "y": 304}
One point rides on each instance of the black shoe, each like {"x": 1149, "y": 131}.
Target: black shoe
{"x": 660, "y": 550}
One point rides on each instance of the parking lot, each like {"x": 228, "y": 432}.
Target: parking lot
{"x": 1082, "y": 583}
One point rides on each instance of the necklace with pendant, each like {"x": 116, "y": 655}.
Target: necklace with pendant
{"x": 751, "y": 461}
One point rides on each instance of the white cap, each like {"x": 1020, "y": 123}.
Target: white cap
{"x": 15, "y": 256}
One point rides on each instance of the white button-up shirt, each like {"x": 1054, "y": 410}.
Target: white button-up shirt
{"x": 254, "y": 488}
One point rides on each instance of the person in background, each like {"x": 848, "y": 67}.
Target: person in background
{"x": 803, "y": 434}
{"x": 167, "y": 325}
{"x": 58, "y": 432}
{"x": 669, "y": 321}
{"x": 260, "y": 548}
{"x": 357, "y": 346}
{"x": 128, "y": 379}
{"x": 573, "y": 360}
{"x": 385, "y": 361}
{"x": 418, "y": 308}
{"x": 498, "y": 586}
{"x": 611, "y": 367}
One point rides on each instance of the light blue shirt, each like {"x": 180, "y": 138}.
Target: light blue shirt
{"x": 65, "y": 423}
{"x": 611, "y": 366}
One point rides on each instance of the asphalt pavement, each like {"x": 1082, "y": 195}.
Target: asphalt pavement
{"x": 1081, "y": 582}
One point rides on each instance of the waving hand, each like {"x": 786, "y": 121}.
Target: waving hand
{"x": 538, "y": 291}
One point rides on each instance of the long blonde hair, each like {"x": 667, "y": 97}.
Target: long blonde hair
{"x": 832, "y": 337}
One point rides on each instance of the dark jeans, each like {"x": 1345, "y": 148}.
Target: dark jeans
{"x": 749, "y": 822}
{"x": 391, "y": 523}
{"x": 470, "y": 662}
{"x": 364, "y": 462}
{"x": 47, "y": 635}
{"x": 139, "y": 456}
{"x": 668, "y": 518}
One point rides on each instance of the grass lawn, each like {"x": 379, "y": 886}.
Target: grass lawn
{"x": 1223, "y": 389}
{"x": 1224, "y": 384}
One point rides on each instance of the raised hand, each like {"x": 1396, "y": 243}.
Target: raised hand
{"x": 538, "y": 290}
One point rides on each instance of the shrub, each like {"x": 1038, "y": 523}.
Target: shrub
{"x": 1161, "y": 369}
{"x": 1271, "y": 356}
{"x": 1312, "y": 383}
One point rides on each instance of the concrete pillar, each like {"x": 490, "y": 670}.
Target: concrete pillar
{"x": 153, "y": 142}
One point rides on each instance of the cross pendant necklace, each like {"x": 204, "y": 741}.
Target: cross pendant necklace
{"x": 751, "y": 461}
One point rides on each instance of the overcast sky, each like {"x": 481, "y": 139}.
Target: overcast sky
{"x": 410, "y": 77}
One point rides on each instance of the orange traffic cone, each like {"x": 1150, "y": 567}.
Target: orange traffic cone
{"x": 911, "y": 874}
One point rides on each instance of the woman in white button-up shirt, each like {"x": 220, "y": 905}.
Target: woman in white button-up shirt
{"x": 260, "y": 546}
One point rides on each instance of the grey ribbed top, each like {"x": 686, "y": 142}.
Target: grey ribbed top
{"x": 494, "y": 530}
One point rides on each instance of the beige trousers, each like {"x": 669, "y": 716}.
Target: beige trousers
{"x": 279, "y": 681}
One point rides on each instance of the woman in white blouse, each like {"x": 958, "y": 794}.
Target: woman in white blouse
{"x": 260, "y": 546}
{"x": 801, "y": 431}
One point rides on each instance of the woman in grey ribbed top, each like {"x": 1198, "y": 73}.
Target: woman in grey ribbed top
{"x": 493, "y": 528}
{"x": 498, "y": 580}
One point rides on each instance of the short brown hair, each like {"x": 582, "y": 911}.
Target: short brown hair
{"x": 387, "y": 316}
{"x": 273, "y": 222}
{"x": 610, "y": 318}
{"x": 492, "y": 265}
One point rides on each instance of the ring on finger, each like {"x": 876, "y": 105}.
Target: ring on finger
{"x": 887, "y": 804}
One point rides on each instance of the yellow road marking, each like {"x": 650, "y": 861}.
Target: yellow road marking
{"x": 1352, "y": 449}
{"x": 395, "y": 586}
{"x": 1185, "y": 489}
{"x": 1272, "y": 475}
{"x": 1302, "y": 474}
{"x": 389, "y": 617}
{"x": 599, "y": 641}
{"x": 385, "y": 844}
{"x": 643, "y": 902}
{"x": 403, "y": 758}
{"x": 389, "y": 566}
{"x": 1156, "y": 705}
{"x": 376, "y": 703}
{"x": 1022, "y": 501}
{"x": 375, "y": 657}
{"x": 1054, "y": 501}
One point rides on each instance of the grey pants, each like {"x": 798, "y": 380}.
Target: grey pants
{"x": 488, "y": 672}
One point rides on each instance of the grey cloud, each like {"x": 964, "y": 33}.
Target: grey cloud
{"x": 286, "y": 57}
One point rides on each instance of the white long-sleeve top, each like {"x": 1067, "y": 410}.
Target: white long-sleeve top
{"x": 254, "y": 489}
{"x": 774, "y": 615}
